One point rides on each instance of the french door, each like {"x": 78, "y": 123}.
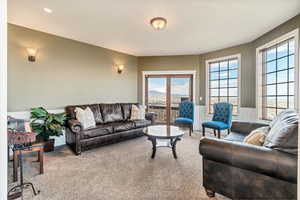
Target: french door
{"x": 163, "y": 93}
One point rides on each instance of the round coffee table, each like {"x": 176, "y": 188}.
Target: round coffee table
{"x": 164, "y": 136}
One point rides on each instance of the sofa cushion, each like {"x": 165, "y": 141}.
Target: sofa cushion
{"x": 126, "y": 109}
{"x": 111, "y": 112}
{"x": 237, "y": 137}
{"x": 245, "y": 127}
{"x": 70, "y": 111}
{"x": 122, "y": 126}
{"x": 99, "y": 130}
{"x": 141, "y": 123}
{"x": 283, "y": 134}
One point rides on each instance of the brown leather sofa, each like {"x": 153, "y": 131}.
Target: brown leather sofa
{"x": 241, "y": 171}
{"x": 112, "y": 125}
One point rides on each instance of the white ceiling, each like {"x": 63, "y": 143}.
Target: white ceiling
{"x": 194, "y": 26}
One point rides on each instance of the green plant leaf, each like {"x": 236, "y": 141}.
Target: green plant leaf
{"x": 47, "y": 124}
{"x": 59, "y": 118}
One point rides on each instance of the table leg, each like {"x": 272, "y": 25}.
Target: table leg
{"x": 17, "y": 191}
{"x": 41, "y": 159}
{"x": 38, "y": 156}
{"x": 153, "y": 140}
{"x": 174, "y": 147}
{"x": 15, "y": 166}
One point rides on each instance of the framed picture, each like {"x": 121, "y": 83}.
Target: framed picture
{"x": 18, "y": 125}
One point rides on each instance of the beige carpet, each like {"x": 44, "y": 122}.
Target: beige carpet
{"x": 122, "y": 171}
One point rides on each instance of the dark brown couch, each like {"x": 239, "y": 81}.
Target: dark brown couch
{"x": 113, "y": 124}
{"x": 242, "y": 171}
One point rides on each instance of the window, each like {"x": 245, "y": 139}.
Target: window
{"x": 277, "y": 77}
{"x": 223, "y": 82}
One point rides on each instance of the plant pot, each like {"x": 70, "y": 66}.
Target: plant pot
{"x": 49, "y": 145}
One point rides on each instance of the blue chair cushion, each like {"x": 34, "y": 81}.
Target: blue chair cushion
{"x": 216, "y": 125}
{"x": 183, "y": 120}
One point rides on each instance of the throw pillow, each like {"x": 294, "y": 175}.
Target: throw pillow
{"x": 142, "y": 112}
{"x": 137, "y": 113}
{"x": 85, "y": 117}
{"x": 257, "y": 136}
{"x": 283, "y": 134}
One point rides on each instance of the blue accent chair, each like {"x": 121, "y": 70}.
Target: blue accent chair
{"x": 186, "y": 115}
{"x": 222, "y": 119}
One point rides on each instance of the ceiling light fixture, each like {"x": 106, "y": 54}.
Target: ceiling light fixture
{"x": 158, "y": 23}
{"x": 47, "y": 10}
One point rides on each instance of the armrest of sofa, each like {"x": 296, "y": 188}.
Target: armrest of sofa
{"x": 74, "y": 125}
{"x": 151, "y": 116}
{"x": 250, "y": 157}
{"x": 245, "y": 127}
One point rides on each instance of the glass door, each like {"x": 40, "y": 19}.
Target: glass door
{"x": 181, "y": 90}
{"x": 163, "y": 93}
{"x": 156, "y": 97}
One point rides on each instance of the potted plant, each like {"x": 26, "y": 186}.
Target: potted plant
{"x": 46, "y": 124}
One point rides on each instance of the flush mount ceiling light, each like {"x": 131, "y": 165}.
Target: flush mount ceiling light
{"x": 47, "y": 10}
{"x": 158, "y": 23}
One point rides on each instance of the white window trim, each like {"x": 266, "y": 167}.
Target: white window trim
{"x": 188, "y": 72}
{"x": 238, "y": 56}
{"x": 259, "y": 67}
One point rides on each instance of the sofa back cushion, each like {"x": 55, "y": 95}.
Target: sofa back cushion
{"x": 70, "y": 111}
{"x": 283, "y": 134}
{"x": 126, "y": 109}
{"x": 111, "y": 112}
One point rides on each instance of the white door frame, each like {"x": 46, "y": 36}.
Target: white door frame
{"x": 3, "y": 99}
{"x": 187, "y": 72}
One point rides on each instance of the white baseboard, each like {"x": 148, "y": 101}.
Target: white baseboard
{"x": 248, "y": 114}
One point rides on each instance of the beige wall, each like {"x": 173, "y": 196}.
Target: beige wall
{"x": 70, "y": 72}
{"x": 197, "y": 62}
{"x": 247, "y": 94}
{"x": 284, "y": 28}
{"x": 167, "y": 63}
{"x": 65, "y": 72}
{"x": 248, "y": 63}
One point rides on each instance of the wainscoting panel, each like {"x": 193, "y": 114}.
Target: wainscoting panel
{"x": 248, "y": 114}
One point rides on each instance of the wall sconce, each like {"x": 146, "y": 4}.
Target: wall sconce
{"x": 120, "y": 68}
{"x": 31, "y": 54}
